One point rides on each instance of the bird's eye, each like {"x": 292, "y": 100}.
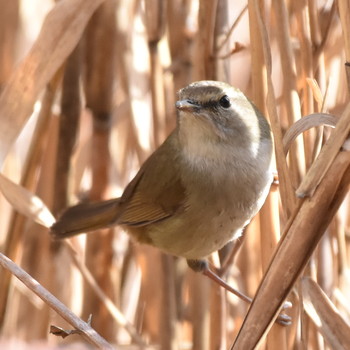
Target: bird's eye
{"x": 225, "y": 101}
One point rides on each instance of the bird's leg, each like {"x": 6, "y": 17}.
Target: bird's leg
{"x": 203, "y": 267}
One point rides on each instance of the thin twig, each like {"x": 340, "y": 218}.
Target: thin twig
{"x": 234, "y": 25}
{"x": 86, "y": 331}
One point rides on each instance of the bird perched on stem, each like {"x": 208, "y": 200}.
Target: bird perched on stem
{"x": 200, "y": 188}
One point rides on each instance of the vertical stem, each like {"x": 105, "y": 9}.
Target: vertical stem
{"x": 168, "y": 336}
{"x": 155, "y": 25}
{"x": 9, "y": 20}
{"x": 157, "y": 94}
{"x": 221, "y": 67}
{"x": 344, "y": 13}
{"x": 203, "y": 57}
{"x": 68, "y": 127}
{"x": 290, "y": 94}
{"x": 100, "y": 55}
{"x": 200, "y": 290}
{"x": 181, "y": 41}
{"x": 269, "y": 221}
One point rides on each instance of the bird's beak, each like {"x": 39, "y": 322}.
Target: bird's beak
{"x": 186, "y": 105}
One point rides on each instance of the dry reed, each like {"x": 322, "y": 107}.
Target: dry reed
{"x": 86, "y": 99}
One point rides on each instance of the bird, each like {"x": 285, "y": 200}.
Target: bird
{"x": 200, "y": 188}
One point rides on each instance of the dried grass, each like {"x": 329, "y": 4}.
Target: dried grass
{"x": 101, "y": 78}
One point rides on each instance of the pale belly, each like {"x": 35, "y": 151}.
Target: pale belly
{"x": 193, "y": 235}
{"x": 206, "y": 226}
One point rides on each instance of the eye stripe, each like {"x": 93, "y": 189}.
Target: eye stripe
{"x": 224, "y": 102}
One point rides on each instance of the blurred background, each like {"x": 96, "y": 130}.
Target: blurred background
{"x": 107, "y": 107}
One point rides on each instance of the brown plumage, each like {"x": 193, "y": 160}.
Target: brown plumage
{"x": 200, "y": 188}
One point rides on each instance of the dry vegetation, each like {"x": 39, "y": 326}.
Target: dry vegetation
{"x": 87, "y": 92}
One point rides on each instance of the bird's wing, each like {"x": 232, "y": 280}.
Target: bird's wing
{"x": 155, "y": 193}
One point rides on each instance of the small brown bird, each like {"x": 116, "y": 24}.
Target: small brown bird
{"x": 200, "y": 188}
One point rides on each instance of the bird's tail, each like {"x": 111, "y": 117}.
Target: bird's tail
{"x": 86, "y": 217}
